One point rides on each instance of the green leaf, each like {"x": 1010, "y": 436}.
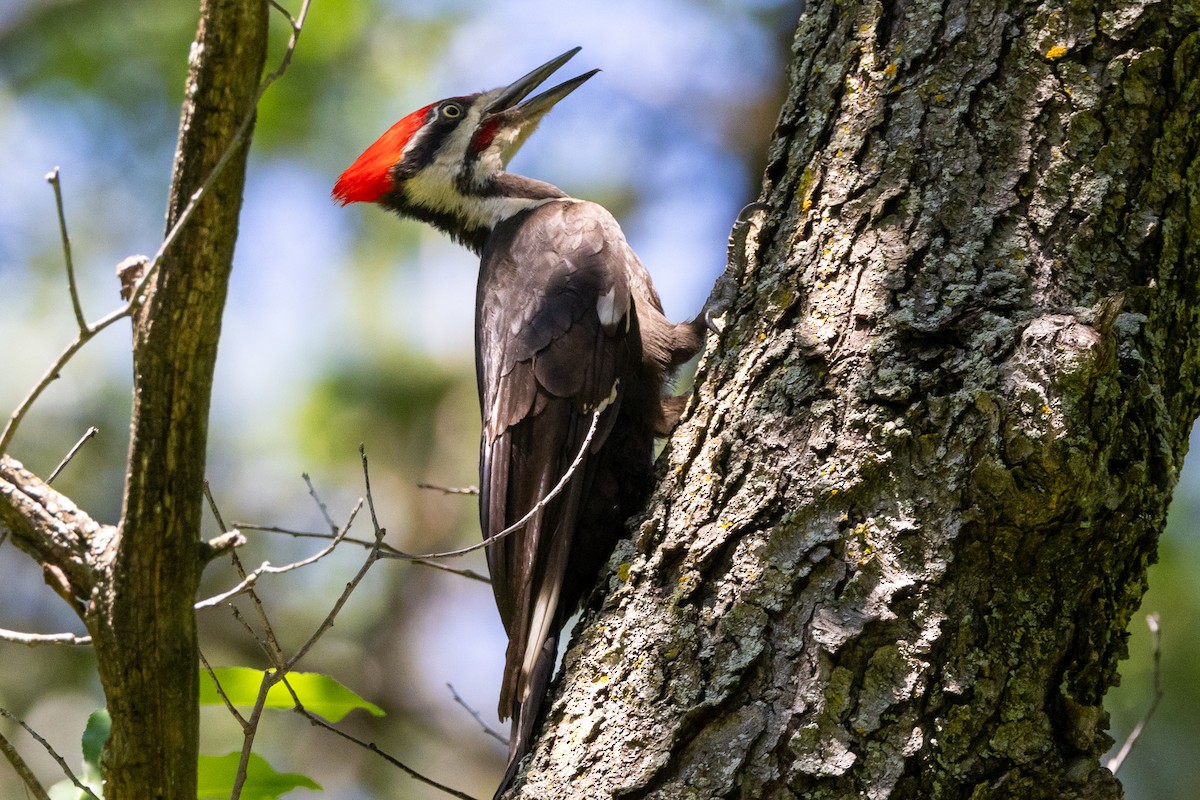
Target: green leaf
{"x": 217, "y": 774}
{"x": 93, "y": 739}
{"x": 319, "y": 693}
{"x": 94, "y": 736}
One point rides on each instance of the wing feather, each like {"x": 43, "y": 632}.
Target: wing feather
{"x": 546, "y": 361}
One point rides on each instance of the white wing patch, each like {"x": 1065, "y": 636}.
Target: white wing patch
{"x": 606, "y": 309}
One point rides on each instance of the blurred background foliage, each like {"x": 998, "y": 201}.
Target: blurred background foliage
{"x": 346, "y": 326}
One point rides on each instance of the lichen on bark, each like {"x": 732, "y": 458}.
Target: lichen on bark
{"x": 902, "y": 528}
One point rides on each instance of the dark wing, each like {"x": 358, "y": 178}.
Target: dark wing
{"x": 553, "y": 316}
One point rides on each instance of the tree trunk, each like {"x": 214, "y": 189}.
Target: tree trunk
{"x": 903, "y": 527}
{"x": 142, "y": 619}
{"x": 135, "y": 584}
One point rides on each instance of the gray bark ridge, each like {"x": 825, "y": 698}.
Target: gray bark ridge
{"x": 902, "y": 529}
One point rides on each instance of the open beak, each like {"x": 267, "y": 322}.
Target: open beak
{"x": 508, "y": 103}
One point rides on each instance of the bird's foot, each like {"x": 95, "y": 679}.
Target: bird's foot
{"x": 724, "y": 290}
{"x": 719, "y": 301}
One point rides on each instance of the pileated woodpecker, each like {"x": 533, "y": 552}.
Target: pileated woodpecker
{"x": 571, "y": 343}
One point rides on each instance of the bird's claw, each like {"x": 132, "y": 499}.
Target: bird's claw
{"x": 719, "y": 301}
{"x": 749, "y": 211}
{"x": 724, "y": 290}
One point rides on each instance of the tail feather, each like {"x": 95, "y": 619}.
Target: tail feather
{"x": 525, "y": 712}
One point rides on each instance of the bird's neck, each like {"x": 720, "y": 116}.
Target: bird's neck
{"x": 469, "y": 212}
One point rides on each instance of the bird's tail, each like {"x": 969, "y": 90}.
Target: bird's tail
{"x": 525, "y": 711}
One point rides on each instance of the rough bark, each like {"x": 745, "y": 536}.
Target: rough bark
{"x": 902, "y": 529}
{"x": 141, "y": 617}
{"x": 135, "y": 584}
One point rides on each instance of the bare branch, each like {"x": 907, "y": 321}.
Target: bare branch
{"x": 387, "y": 551}
{"x": 88, "y": 434}
{"x": 250, "y": 731}
{"x": 468, "y": 490}
{"x": 228, "y": 541}
{"x": 250, "y": 526}
{"x": 50, "y": 376}
{"x": 269, "y": 648}
{"x": 53, "y": 179}
{"x": 212, "y": 506}
{"x": 270, "y": 644}
{"x": 271, "y": 677}
{"x": 267, "y": 569}
{"x": 22, "y": 769}
{"x": 38, "y": 639}
{"x": 50, "y": 527}
{"x": 1114, "y": 763}
{"x": 374, "y": 748}
{"x": 297, "y": 23}
{"x": 469, "y": 574}
{"x": 477, "y": 716}
{"x": 53, "y": 753}
{"x": 234, "y": 143}
{"x": 327, "y": 623}
{"x": 516, "y": 526}
{"x": 221, "y": 692}
{"x": 218, "y": 546}
{"x": 312, "y": 492}
{"x": 379, "y": 532}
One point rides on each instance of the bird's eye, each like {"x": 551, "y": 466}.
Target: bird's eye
{"x": 452, "y": 111}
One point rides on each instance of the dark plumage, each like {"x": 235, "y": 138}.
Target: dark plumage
{"x": 567, "y": 324}
{"x": 569, "y": 332}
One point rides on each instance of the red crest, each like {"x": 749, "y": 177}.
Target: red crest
{"x": 369, "y": 177}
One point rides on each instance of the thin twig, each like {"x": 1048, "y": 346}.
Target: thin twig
{"x": 374, "y": 748}
{"x": 516, "y": 526}
{"x": 267, "y": 649}
{"x": 221, "y": 691}
{"x": 379, "y": 532}
{"x": 87, "y": 332}
{"x": 327, "y": 623}
{"x": 36, "y": 639}
{"x": 92, "y": 431}
{"x": 468, "y": 490}
{"x": 53, "y": 753}
{"x": 53, "y": 180}
{"x": 297, "y": 23}
{"x": 51, "y": 375}
{"x": 266, "y": 568}
{"x": 271, "y": 677}
{"x": 268, "y": 641}
{"x": 251, "y": 526}
{"x": 278, "y": 659}
{"x": 271, "y": 644}
{"x": 387, "y": 550}
{"x": 478, "y": 717}
{"x": 212, "y": 506}
{"x": 22, "y": 769}
{"x": 1114, "y": 763}
{"x": 469, "y": 574}
{"x": 249, "y": 732}
{"x": 312, "y": 492}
